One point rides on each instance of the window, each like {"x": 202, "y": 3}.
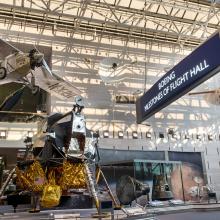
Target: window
{"x": 120, "y": 134}
{"x": 134, "y": 135}
{"x": 105, "y": 134}
{"x": 30, "y": 134}
{"x": 3, "y": 134}
{"x": 148, "y": 135}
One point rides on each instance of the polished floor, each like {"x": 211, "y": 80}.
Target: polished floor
{"x": 212, "y": 215}
{"x": 186, "y": 212}
{"x": 194, "y": 215}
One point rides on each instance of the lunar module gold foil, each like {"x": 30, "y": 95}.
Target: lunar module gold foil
{"x": 33, "y": 178}
{"x": 51, "y": 192}
{"x": 73, "y": 176}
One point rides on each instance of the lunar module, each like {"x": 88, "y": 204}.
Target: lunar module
{"x": 61, "y": 160}
{"x": 61, "y": 164}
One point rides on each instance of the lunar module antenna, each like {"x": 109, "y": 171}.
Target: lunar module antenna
{"x": 79, "y": 104}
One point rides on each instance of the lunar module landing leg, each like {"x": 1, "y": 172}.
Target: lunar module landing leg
{"x": 12, "y": 171}
{"x": 104, "y": 205}
{"x": 91, "y": 184}
{"x": 5, "y": 184}
{"x": 84, "y": 142}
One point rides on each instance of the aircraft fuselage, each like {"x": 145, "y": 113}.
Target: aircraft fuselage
{"x": 17, "y": 66}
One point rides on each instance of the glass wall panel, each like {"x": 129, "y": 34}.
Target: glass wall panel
{"x": 163, "y": 178}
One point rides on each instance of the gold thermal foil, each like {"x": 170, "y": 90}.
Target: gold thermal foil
{"x": 51, "y": 196}
{"x": 73, "y": 176}
{"x": 51, "y": 192}
{"x": 33, "y": 178}
{"x": 21, "y": 180}
{"x": 52, "y": 177}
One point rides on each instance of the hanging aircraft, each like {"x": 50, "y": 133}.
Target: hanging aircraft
{"x": 32, "y": 70}
{"x": 210, "y": 96}
{"x": 112, "y": 70}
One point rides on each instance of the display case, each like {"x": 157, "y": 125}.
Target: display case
{"x": 163, "y": 177}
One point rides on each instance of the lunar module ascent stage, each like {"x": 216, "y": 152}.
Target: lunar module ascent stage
{"x": 60, "y": 161}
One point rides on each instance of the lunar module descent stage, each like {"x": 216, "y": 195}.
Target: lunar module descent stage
{"x": 64, "y": 161}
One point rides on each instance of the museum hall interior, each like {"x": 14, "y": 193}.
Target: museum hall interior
{"x": 109, "y": 109}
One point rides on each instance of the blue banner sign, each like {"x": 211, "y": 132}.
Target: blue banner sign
{"x": 197, "y": 67}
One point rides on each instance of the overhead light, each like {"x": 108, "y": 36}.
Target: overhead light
{"x": 135, "y": 135}
{"x": 120, "y": 134}
{"x": 105, "y": 134}
{"x": 148, "y": 135}
{"x": 30, "y": 134}
{"x": 2, "y": 134}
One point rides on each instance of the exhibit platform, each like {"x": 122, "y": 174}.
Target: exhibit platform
{"x": 132, "y": 213}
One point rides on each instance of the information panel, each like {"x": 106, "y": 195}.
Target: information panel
{"x": 197, "y": 67}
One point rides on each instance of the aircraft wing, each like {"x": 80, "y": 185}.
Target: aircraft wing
{"x": 7, "y": 48}
{"x": 11, "y": 100}
{"x": 54, "y": 84}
